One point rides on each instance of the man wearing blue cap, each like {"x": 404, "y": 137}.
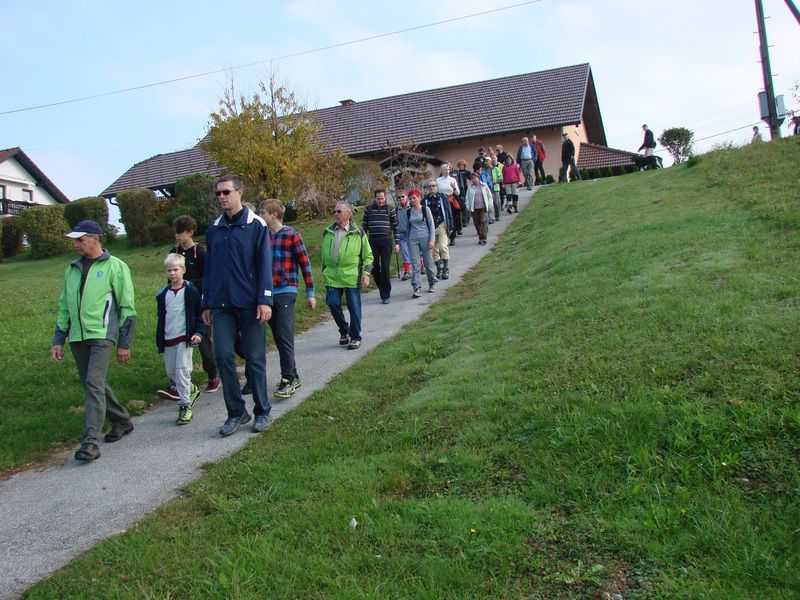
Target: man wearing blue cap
{"x": 95, "y": 311}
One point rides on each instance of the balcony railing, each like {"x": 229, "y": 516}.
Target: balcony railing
{"x": 10, "y": 207}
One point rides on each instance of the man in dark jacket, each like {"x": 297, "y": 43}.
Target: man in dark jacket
{"x": 380, "y": 225}
{"x": 649, "y": 143}
{"x": 442, "y": 224}
{"x": 568, "y": 159}
{"x": 237, "y": 299}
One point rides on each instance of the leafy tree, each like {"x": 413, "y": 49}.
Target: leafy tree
{"x": 678, "y": 142}
{"x": 270, "y": 140}
{"x": 195, "y": 196}
{"x": 405, "y": 165}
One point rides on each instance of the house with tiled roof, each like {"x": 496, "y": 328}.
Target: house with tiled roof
{"x": 447, "y": 124}
{"x": 598, "y": 157}
{"x": 23, "y": 184}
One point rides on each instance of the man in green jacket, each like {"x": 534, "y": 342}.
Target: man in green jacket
{"x": 346, "y": 265}
{"x": 95, "y": 311}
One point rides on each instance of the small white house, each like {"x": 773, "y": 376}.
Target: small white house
{"x": 23, "y": 184}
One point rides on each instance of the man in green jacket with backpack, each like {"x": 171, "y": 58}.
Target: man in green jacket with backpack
{"x": 346, "y": 265}
{"x": 95, "y": 312}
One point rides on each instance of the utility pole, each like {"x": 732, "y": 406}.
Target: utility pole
{"x": 794, "y": 10}
{"x": 774, "y": 126}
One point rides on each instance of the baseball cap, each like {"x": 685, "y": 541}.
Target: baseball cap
{"x": 84, "y": 227}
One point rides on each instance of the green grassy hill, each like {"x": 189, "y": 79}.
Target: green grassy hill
{"x": 607, "y": 403}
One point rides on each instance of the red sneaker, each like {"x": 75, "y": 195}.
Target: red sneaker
{"x": 212, "y": 385}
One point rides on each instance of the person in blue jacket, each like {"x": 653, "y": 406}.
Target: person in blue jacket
{"x": 237, "y": 299}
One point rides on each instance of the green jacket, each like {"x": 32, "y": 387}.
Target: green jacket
{"x": 355, "y": 257}
{"x": 104, "y": 311}
{"x": 497, "y": 177}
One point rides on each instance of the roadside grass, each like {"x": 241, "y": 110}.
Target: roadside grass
{"x": 608, "y": 402}
{"x": 41, "y": 402}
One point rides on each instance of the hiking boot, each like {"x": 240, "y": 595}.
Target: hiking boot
{"x": 431, "y": 288}
{"x": 287, "y": 387}
{"x": 232, "y": 424}
{"x": 212, "y": 385}
{"x": 344, "y": 339}
{"x": 261, "y": 423}
{"x": 384, "y": 301}
{"x": 439, "y": 272}
{"x": 416, "y": 293}
{"x": 87, "y": 452}
{"x": 184, "y": 414}
{"x": 445, "y": 274}
{"x": 194, "y": 395}
{"x": 406, "y": 276}
{"x": 117, "y": 431}
{"x": 247, "y": 389}
{"x": 354, "y": 344}
{"x": 423, "y": 270}
{"x": 169, "y": 393}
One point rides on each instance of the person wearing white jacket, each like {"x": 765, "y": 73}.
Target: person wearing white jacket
{"x": 479, "y": 203}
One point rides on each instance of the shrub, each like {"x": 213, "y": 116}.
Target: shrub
{"x": 631, "y": 168}
{"x": 46, "y": 228}
{"x": 91, "y": 207}
{"x": 138, "y": 209}
{"x": 195, "y": 196}
{"x": 594, "y": 173}
{"x": 12, "y": 237}
{"x": 678, "y": 141}
{"x": 606, "y": 172}
{"x": 616, "y": 170}
{"x": 160, "y": 233}
{"x": 549, "y": 179}
{"x": 585, "y": 174}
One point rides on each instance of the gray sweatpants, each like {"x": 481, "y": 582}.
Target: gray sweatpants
{"x": 91, "y": 359}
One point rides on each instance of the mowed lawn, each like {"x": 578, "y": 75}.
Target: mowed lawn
{"x": 41, "y": 402}
{"x": 607, "y": 403}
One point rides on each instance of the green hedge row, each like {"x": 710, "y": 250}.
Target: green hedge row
{"x": 46, "y": 228}
{"x": 138, "y": 208}
{"x": 11, "y": 234}
{"x": 94, "y": 208}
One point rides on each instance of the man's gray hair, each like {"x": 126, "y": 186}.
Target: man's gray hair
{"x": 346, "y": 205}
{"x": 431, "y": 182}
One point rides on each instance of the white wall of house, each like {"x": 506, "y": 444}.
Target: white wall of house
{"x": 15, "y": 179}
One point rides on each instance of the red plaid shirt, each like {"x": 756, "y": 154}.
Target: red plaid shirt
{"x": 288, "y": 253}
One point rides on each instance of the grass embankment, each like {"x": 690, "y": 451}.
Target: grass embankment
{"x": 41, "y": 402}
{"x": 608, "y": 402}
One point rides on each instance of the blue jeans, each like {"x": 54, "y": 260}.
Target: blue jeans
{"x": 333, "y": 298}
{"x": 227, "y": 322}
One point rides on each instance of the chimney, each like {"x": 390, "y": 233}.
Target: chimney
{"x": 347, "y": 102}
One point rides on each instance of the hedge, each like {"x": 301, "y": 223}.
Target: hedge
{"x": 11, "y": 234}
{"x": 195, "y": 195}
{"x": 46, "y": 228}
{"x": 138, "y": 209}
{"x": 91, "y": 207}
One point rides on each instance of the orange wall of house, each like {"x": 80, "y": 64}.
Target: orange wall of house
{"x": 551, "y": 138}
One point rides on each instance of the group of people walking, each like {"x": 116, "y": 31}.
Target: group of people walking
{"x": 247, "y": 276}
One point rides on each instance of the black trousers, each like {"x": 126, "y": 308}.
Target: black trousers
{"x": 538, "y": 171}
{"x": 282, "y": 325}
{"x": 382, "y": 265}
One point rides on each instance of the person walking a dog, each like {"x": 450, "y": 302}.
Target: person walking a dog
{"x": 649, "y": 143}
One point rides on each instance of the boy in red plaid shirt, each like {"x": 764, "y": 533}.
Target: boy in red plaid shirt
{"x": 288, "y": 253}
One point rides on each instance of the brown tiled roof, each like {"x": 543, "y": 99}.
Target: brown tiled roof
{"x": 592, "y": 156}
{"x": 521, "y": 102}
{"x": 41, "y": 179}
{"x": 551, "y": 98}
{"x": 163, "y": 170}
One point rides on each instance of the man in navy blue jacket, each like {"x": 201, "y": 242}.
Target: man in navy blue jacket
{"x": 237, "y": 299}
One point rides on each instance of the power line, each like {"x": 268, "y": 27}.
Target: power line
{"x": 259, "y": 62}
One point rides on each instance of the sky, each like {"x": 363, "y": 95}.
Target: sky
{"x": 677, "y": 63}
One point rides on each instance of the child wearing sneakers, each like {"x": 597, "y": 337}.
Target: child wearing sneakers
{"x": 180, "y": 327}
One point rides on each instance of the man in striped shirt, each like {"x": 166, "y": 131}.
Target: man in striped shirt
{"x": 288, "y": 253}
{"x": 380, "y": 225}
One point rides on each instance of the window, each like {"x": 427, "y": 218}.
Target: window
{"x": 2, "y": 192}
{"x": 27, "y": 196}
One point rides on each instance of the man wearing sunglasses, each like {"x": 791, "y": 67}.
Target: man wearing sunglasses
{"x": 237, "y": 300}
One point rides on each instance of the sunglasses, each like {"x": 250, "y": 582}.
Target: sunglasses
{"x": 223, "y": 192}
{"x": 337, "y": 211}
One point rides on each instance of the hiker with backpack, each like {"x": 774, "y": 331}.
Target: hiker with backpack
{"x": 416, "y": 224}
